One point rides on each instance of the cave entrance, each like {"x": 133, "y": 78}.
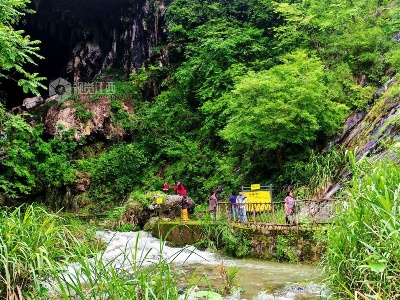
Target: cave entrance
{"x": 61, "y": 26}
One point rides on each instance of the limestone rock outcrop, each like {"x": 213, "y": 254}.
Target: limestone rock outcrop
{"x": 29, "y": 103}
{"x": 63, "y": 116}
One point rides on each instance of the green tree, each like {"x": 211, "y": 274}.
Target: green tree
{"x": 116, "y": 172}
{"x": 16, "y": 48}
{"x": 288, "y": 104}
{"x": 358, "y": 33}
{"x": 211, "y": 58}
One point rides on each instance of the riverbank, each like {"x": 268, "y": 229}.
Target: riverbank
{"x": 290, "y": 245}
{"x": 283, "y": 244}
{"x": 255, "y": 279}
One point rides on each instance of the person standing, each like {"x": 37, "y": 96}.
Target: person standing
{"x": 185, "y": 205}
{"x": 218, "y": 192}
{"x": 165, "y": 187}
{"x": 289, "y": 208}
{"x": 234, "y": 210}
{"x": 241, "y": 201}
{"x": 180, "y": 189}
{"x": 213, "y": 204}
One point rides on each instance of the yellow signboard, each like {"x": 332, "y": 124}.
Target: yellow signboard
{"x": 159, "y": 200}
{"x": 258, "y": 200}
{"x": 255, "y": 187}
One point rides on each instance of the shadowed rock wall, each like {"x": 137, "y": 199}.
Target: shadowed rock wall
{"x": 82, "y": 37}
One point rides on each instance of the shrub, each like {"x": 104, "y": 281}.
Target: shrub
{"x": 117, "y": 171}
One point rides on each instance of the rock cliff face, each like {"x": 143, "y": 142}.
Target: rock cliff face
{"x": 80, "y": 38}
{"x": 365, "y": 132}
{"x": 99, "y": 120}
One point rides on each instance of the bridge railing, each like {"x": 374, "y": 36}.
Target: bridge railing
{"x": 307, "y": 211}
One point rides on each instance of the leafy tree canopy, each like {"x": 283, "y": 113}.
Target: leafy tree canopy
{"x": 358, "y": 32}
{"x": 287, "y": 104}
{"x": 16, "y": 48}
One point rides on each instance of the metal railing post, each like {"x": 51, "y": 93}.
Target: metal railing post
{"x": 273, "y": 212}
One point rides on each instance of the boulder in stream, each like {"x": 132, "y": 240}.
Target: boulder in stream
{"x": 171, "y": 207}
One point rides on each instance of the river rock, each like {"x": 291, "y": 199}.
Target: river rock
{"x": 172, "y": 199}
{"x": 52, "y": 98}
{"x": 136, "y": 215}
{"x": 172, "y": 207}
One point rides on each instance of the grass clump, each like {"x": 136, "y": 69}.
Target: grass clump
{"x": 363, "y": 246}
{"x": 31, "y": 241}
{"x": 44, "y": 256}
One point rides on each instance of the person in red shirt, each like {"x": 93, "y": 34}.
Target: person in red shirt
{"x": 180, "y": 189}
{"x": 166, "y": 188}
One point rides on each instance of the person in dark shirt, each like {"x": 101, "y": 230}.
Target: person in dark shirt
{"x": 234, "y": 210}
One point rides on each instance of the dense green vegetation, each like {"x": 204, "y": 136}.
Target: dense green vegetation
{"x": 363, "y": 252}
{"x": 16, "y": 49}
{"x": 27, "y": 161}
{"x": 253, "y": 89}
{"x": 262, "y": 83}
{"x": 37, "y": 246}
{"x": 34, "y": 244}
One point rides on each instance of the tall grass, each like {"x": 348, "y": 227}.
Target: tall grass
{"x": 42, "y": 257}
{"x": 363, "y": 252}
{"x": 314, "y": 177}
{"x": 219, "y": 234}
{"x": 132, "y": 276}
{"x": 31, "y": 239}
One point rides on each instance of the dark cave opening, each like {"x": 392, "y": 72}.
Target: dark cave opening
{"x": 61, "y": 26}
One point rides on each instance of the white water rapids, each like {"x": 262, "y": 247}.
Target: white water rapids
{"x": 283, "y": 281}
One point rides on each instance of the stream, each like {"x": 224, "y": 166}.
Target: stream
{"x": 257, "y": 279}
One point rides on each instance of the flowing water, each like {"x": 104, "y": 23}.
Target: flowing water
{"x": 265, "y": 280}
{"x": 258, "y": 280}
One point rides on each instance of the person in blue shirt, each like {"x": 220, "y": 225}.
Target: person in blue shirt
{"x": 234, "y": 210}
{"x": 241, "y": 201}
